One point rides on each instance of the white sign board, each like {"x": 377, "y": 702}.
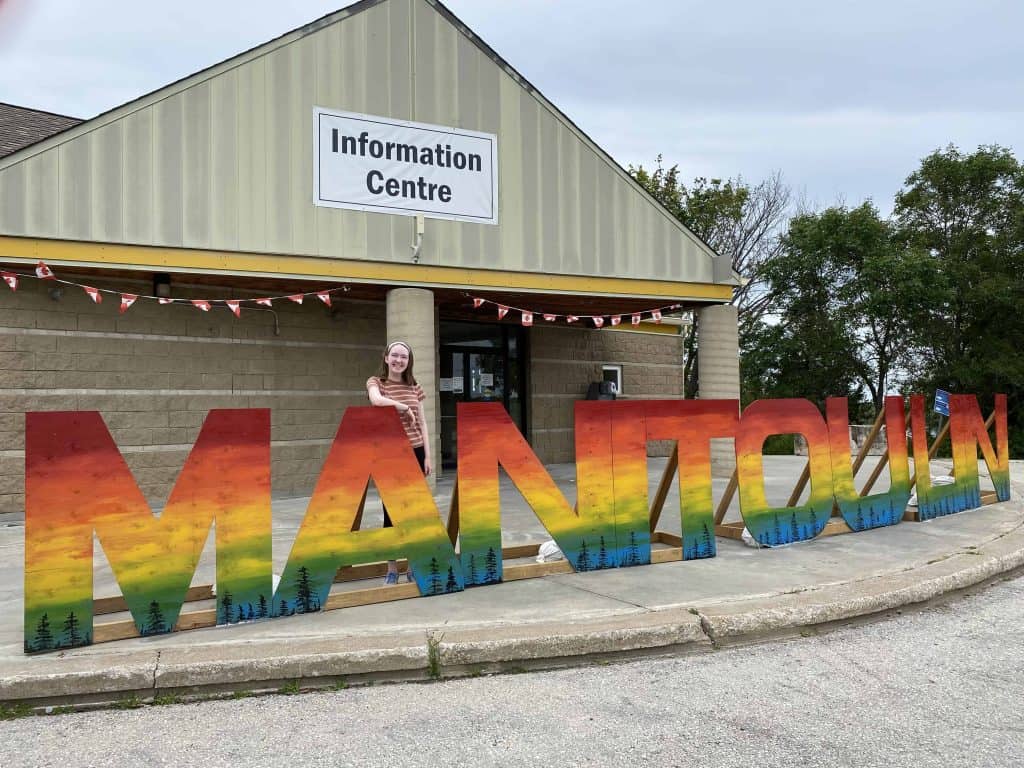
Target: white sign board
{"x": 370, "y": 163}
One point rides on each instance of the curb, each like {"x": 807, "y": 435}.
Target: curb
{"x": 216, "y": 670}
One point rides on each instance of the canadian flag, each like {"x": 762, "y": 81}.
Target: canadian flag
{"x": 571, "y": 318}
{"x": 527, "y": 318}
{"x": 127, "y": 299}
{"x": 297, "y": 298}
{"x": 202, "y": 304}
{"x": 234, "y": 306}
{"x": 616, "y": 319}
{"x": 324, "y": 296}
{"x": 550, "y": 318}
{"x": 635, "y": 319}
{"x": 94, "y": 294}
{"x": 11, "y": 279}
{"x": 502, "y": 311}
{"x": 165, "y": 301}
{"x": 265, "y": 302}
{"x": 598, "y": 321}
{"x": 477, "y": 303}
{"x": 44, "y": 272}
{"x": 656, "y": 315}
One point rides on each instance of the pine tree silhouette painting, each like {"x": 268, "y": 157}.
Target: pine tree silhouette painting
{"x": 778, "y": 530}
{"x": 435, "y": 577}
{"x": 814, "y": 522}
{"x": 240, "y": 614}
{"x": 602, "y": 555}
{"x": 858, "y": 523}
{"x": 451, "y": 585}
{"x": 583, "y": 558}
{"x": 44, "y": 635}
{"x": 491, "y": 567}
{"x": 261, "y": 612}
{"x": 71, "y": 629}
{"x": 283, "y": 610}
{"x": 794, "y": 530}
{"x": 155, "y": 622}
{"x": 303, "y": 592}
{"x": 634, "y": 551}
{"x": 472, "y": 569}
{"x": 707, "y": 543}
{"x": 226, "y": 604}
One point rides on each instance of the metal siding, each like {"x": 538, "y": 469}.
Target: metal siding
{"x": 137, "y": 176}
{"x": 224, "y": 179}
{"x": 224, "y": 161}
{"x": 252, "y": 156}
{"x": 107, "y": 181}
{"x": 42, "y": 214}
{"x": 167, "y": 171}
{"x": 196, "y": 172}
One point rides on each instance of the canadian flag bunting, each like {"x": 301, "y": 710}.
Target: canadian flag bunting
{"x": 234, "y": 306}
{"x": 571, "y": 318}
{"x": 635, "y": 319}
{"x": 202, "y": 304}
{"x": 550, "y": 318}
{"x": 616, "y": 319}
{"x": 297, "y": 298}
{"x": 527, "y": 318}
{"x": 127, "y": 299}
{"x": 324, "y": 296}
{"x": 656, "y": 315}
{"x": 11, "y": 279}
{"x": 477, "y": 303}
{"x": 265, "y": 302}
{"x": 43, "y": 272}
{"x": 502, "y": 311}
{"x": 94, "y": 294}
{"x": 165, "y": 301}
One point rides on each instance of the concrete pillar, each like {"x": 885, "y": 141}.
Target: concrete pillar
{"x": 718, "y": 361}
{"x": 411, "y": 318}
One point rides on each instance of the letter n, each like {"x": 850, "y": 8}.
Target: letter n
{"x": 968, "y": 433}
{"x": 77, "y": 483}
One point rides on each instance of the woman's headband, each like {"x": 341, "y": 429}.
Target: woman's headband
{"x": 392, "y": 345}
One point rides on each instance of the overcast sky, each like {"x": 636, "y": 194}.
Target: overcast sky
{"x": 844, "y": 98}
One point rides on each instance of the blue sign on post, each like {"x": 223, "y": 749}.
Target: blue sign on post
{"x": 942, "y": 402}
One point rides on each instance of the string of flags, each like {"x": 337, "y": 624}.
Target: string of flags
{"x": 43, "y": 272}
{"x": 526, "y": 315}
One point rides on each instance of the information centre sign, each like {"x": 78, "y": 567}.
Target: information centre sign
{"x": 369, "y": 163}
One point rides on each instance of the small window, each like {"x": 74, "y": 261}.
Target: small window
{"x": 613, "y": 373}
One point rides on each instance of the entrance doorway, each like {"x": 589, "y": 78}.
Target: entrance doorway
{"x": 480, "y": 363}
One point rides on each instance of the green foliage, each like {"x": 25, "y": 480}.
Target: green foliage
{"x": 15, "y": 711}
{"x": 166, "y": 699}
{"x": 964, "y": 214}
{"x": 132, "y": 702}
{"x": 290, "y": 688}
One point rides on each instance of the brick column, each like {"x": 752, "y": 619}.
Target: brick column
{"x": 718, "y": 361}
{"x": 411, "y": 318}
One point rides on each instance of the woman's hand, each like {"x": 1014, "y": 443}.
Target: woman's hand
{"x": 426, "y": 467}
{"x": 406, "y": 412}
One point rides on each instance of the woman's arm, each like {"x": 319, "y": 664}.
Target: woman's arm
{"x": 376, "y": 398}
{"x": 426, "y": 440}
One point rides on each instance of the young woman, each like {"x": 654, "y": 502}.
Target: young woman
{"x": 396, "y": 387}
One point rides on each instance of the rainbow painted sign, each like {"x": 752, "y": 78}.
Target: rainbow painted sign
{"x": 77, "y": 484}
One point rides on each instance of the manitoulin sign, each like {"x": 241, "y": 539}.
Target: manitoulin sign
{"x": 77, "y": 485}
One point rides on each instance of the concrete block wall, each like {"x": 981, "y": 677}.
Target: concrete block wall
{"x": 563, "y": 362}
{"x": 155, "y": 371}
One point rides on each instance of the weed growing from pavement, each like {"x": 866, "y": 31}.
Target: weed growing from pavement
{"x": 165, "y": 699}
{"x": 434, "y": 654}
{"x": 241, "y": 694}
{"x": 341, "y": 685}
{"x": 132, "y": 702}
{"x": 290, "y": 688}
{"x": 14, "y": 711}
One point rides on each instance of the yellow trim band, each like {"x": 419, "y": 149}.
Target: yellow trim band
{"x": 147, "y": 257}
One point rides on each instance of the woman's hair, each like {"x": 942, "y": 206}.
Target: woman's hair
{"x": 407, "y": 377}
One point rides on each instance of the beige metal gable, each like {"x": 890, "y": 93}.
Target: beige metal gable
{"x": 223, "y": 161}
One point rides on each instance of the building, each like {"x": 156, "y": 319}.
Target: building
{"x": 203, "y": 190}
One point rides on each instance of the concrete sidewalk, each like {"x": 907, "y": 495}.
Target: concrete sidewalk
{"x": 741, "y": 595}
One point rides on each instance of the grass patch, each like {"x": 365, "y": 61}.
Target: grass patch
{"x": 166, "y": 699}
{"x": 132, "y": 702}
{"x": 14, "y": 711}
{"x": 434, "y": 654}
{"x": 290, "y": 688}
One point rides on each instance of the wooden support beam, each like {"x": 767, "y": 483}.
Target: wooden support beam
{"x": 730, "y": 491}
{"x": 801, "y": 483}
{"x": 664, "y": 487}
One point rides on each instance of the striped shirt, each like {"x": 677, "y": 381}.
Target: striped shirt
{"x": 410, "y": 395}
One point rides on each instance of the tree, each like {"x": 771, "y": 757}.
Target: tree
{"x": 964, "y": 213}
{"x": 303, "y": 591}
{"x": 71, "y": 629}
{"x": 740, "y": 222}
{"x": 262, "y": 610}
{"x": 583, "y": 558}
{"x": 602, "y": 555}
{"x": 226, "y": 604}
{"x": 451, "y": 585}
{"x": 155, "y": 622}
{"x": 435, "y": 577}
{"x": 44, "y": 635}
{"x": 490, "y": 567}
